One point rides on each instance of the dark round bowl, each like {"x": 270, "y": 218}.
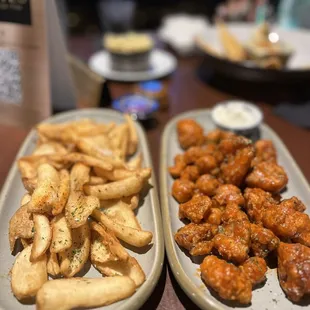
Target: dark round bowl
{"x": 254, "y": 74}
{"x": 130, "y": 62}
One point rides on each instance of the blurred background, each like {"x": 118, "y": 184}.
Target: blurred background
{"x": 94, "y": 16}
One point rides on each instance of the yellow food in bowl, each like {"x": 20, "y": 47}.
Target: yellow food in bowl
{"x": 128, "y": 43}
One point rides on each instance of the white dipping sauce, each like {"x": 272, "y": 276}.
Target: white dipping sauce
{"x": 236, "y": 115}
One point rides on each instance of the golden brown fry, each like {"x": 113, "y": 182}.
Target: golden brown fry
{"x": 30, "y": 184}
{"x": 95, "y": 147}
{"x": 73, "y": 259}
{"x": 66, "y": 294}
{"x": 42, "y": 139}
{"x": 42, "y": 236}
{"x": 121, "y": 174}
{"x": 26, "y": 198}
{"x": 61, "y": 234}
{"x": 134, "y": 201}
{"x": 49, "y": 148}
{"x": 94, "y": 180}
{"x": 118, "y": 189}
{"x": 69, "y": 132}
{"x": 99, "y": 251}
{"x": 63, "y": 192}
{"x": 88, "y": 161}
{"x": 91, "y": 147}
{"x": 121, "y": 213}
{"x": 79, "y": 207}
{"x": 44, "y": 196}
{"x": 28, "y": 165}
{"x": 135, "y": 237}
{"x": 110, "y": 241}
{"x": 131, "y": 201}
{"x": 133, "y": 136}
{"x": 115, "y": 136}
{"x": 52, "y": 265}
{"x": 21, "y": 223}
{"x": 27, "y": 277}
{"x": 79, "y": 176}
{"x": 234, "y": 51}
{"x": 124, "y": 140}
{"x": 26, "y": 242}
{"x": 57, "y": 132}
{"x": 130, "y": 268}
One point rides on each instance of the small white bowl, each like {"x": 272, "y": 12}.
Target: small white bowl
{"x": 240, "y": 117}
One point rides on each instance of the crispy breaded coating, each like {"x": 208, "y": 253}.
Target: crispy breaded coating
{"x": 228, "y": 193}
{"x": 179, "y": 166}
{"x": 264, "y": 151}
{"x": 190, "y": 173}
{"x": 235, "y": 168}
{"x": 256, "y": 200}
{"x": 255, "y": 269}
{"x": 268, "y": 176}
{"x": 189, "y": 235}
{"x": 183, "y": 190}
{"x": 190, "y": 133}
{"x": 233, "y": 240}
{"x": 195, "y": 209}
{"x": 208, "y": 184}
{"x": 285, "y": 221}
{"x": 263, "y": 240}
{"x": 294, "y": 270}
{"x": 226, "y": 279}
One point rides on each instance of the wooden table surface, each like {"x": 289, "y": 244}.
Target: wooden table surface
{"x": 186, "y": 92}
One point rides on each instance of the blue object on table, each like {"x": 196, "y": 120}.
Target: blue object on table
{"x": 261, "y": 13}
{"x": 288, "y": 13}
{"x": 138, "y": 106}
{"x": 151, "y": 86}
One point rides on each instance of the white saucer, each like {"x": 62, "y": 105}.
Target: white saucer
{"x": 161, "y": 63}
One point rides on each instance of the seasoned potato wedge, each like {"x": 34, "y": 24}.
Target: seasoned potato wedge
{"x": 42, "y": 236}
{"x": 21, "y": 223}
{"x": 73, "y": 259}
{"x": 121, "y": 174}
{"x": 79, "y": 176}
{"x": 95, "y": 180}
{"x": 44, "y": 196}
{"x": 133, "y": 136}
{"x": 110, "y": 241}
{"x": 130, "y": 268}
{"x": 135, "y": 237}
{"x": 100, "y": 251}
{"x": 61, "y": 234}
{"x": 27, "y": 277}
{"x": 50, "y": 147}
{"x": 52, "y": 266}
{"x": 26, "y": 242}
{"x": 122, "y": 214}
{"x": 74, "y": 293}
{"x": 79, "y": 207}
{"x": 88, "y": 161}
{"x": 63, "y": 192}
{"x": 117, "y": 189}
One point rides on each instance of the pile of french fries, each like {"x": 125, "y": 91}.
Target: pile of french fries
{"x": 81, "y": 195}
